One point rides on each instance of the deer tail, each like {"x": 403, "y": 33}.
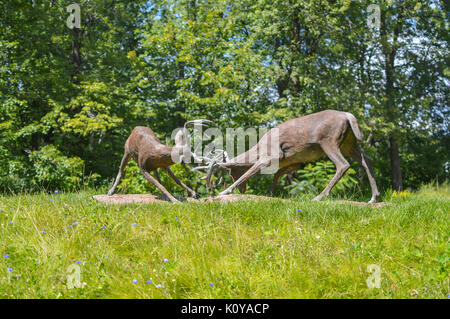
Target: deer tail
{"x": 354, "y": 125}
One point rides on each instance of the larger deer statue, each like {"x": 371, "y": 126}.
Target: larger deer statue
{"x": 150, "y": 154}
{"x": 303, "y": 139}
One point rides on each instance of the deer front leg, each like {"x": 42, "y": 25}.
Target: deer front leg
{"x": 123, "y": 163}
{"x": 179, "y": 182}
{"x": 152, "y": 180}
{"x": 245, "y": 177}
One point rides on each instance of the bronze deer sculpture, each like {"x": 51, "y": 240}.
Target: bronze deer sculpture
{"x": 150, "y": 154}
{"x": 303, "y": 139}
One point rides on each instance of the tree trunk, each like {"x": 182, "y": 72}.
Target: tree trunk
{"x": 397, "y": 181}
{"x": 180, "y": 106}
{"x": 390, "y": 51}
{"x": 76, "y": 55}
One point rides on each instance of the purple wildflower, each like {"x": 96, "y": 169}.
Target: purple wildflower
{"x": 9, "y": 269}
{"x": 135, "y": 281}
{"x": 6, "y": 256}
{"x": 149, "y": 281}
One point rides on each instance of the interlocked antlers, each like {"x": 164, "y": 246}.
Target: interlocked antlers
{"x": 213, "y": 159}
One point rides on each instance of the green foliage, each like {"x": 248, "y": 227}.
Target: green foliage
{"x": 239, "y": 63}
{"x": 96, "y": 110}
{"x": 12, "y": 177}
{"x": 52, "y": 170}
{"x": 135, "y": 182}
{"x": 314, "y": 178}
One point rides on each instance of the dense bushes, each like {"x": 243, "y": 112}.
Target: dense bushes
{"x": 53, "y": 170}
{"x": 45, "y": 169}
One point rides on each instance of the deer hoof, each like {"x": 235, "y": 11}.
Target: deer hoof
{"x": 196, "y": 196}
{"x": 111, "y": 192}
{"x": 317, "y": 198}
{"x": 374, "y": 199}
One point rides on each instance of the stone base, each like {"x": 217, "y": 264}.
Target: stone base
{"x": 150, "y": 198}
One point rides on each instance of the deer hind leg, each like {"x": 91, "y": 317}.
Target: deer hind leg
{"x": 242, "y": 188}
{"x": 335, "y": 155}
{"x": 155, "y": 172}
{"x": 247, "y": 175}
{"x": 281, "y": 172}
{"x": 152, "y": 180}
{"x": 123, "y": 164}
{"x": 179, "y": 182}
{"x": 359, "y": 156}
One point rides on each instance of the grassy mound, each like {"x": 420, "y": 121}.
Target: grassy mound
{"x": 243, "y": 249}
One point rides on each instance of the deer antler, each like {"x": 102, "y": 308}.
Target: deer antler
{"x": 201, "y": 122}
{"x": 215, "y": 158}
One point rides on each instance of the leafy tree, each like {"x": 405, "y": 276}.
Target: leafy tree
{"x": 70, "y": 97}
{"x": 408, "y": 75}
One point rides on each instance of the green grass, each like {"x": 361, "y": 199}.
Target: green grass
{"x": 246, "y": 249}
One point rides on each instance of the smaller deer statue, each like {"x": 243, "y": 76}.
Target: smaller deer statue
{"x": 150, "y": 154}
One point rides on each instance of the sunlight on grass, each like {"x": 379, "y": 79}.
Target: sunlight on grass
{"x": 292, "y": 249}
